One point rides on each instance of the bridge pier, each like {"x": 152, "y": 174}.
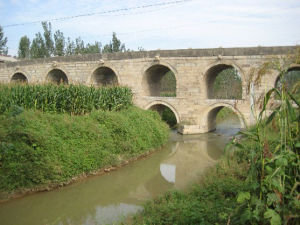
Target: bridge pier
{"x": 195, "y": 71}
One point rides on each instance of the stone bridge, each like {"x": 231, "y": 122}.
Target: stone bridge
{"x": 195, "y": 71}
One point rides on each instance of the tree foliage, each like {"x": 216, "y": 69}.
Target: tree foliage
{"x": 59, "y": 43}
{"x": 228, "y": 85}
{"x": 24, "y": 48}
{"x": 48, "y": 44}
{"x": 38, "y": 47}
{"x": 115, "y": 45}
{"x": 3, "y": 41}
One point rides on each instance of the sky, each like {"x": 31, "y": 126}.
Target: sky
{"x": 175, "y": 25}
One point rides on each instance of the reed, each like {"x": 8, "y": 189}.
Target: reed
{"x": 272, "y": 149}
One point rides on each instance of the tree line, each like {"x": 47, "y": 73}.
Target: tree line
{"x": 3, "y": 41}
{"x": 48, "y": 44}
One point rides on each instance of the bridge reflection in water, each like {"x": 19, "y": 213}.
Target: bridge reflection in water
{"x": 105, "y": 199}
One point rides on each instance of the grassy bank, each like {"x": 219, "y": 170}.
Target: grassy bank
{"x": 212, "y": 201}
{"x": 43, "y": 149}
{"x": 256, "y": 183}
{"x": 234, "y": 192}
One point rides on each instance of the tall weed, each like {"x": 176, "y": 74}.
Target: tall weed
{"x": 274, "y": 166}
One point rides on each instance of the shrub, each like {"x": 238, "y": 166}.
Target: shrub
{"x": 39, "y": 148}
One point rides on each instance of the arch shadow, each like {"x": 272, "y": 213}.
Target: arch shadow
{"x": 211, "y": 114}
{"x": 159, "y": 79}
{"x": 213, "y": 72}
{"x": 57, "y": 76}
{"x": 19, "y": 77}
{"x": 290, "y": 78}
{"x": 104, "y": 75}
{"x": 158, "y": 103}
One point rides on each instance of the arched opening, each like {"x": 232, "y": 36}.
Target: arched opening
{"x": 159, "y": 80}
{"x": 57, "y": 76}
{"x": 223, "y": 82}
{"x": 104, "y": 76}
{"x": 289, "y": 81}
{"x": 224, "y": 120}
{"x": 166, "y": 114}
{"x": 19, "y": 78}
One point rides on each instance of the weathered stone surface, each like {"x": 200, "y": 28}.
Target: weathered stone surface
{"x": 193, "y": 68}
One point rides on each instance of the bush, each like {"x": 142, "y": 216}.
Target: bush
{"x": 39, "y": 148}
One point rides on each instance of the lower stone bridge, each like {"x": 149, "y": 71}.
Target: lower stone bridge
{"x": 195, "y": 71}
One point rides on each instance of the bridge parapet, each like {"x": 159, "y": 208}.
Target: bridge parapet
{"x": 192, "y": 105}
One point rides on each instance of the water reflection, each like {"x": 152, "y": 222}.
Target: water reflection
{"x": 105, "y": 199}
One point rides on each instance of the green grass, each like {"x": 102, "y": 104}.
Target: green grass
{"x": 72, "y": 99}
{"x": 258, "y": 182}
{"x": 40, "y": 149}
{"x": 212, "y": 201}
{"x": 230, "y": 192}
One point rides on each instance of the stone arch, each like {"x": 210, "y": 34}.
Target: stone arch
{"x": 104, "y": 75}
{"x": 158, "y": 103}
{"x": 212, "y": 72}
{"x": 293, "y": 68}
{"x": 19, "y": 77}
{"x": 152, "y": 76}
{"x": 212, "y": 111}
{"x": 57, "y": 76}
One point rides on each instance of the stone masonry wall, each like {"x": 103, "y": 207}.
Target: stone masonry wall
{"x": 191, "y": 104}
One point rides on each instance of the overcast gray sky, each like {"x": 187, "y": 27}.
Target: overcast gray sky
{"x": 190, "y": 24}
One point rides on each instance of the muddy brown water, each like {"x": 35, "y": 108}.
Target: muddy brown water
{"x": 108, "y": 198}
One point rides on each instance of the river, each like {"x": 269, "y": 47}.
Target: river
{"x": 108, "y": 198}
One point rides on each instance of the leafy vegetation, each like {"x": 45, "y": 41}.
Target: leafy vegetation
{"x": 3, "y": 42}
{"x": 168, "y": 85}
{"x": 224, "y": 114}
{"x": 273, "y": 196}
{"x": 227, "y": 85}
{"x": 169, "y": 117}
{"x": 39, "y": 148}
{"x": 47, "y": 44}
{"x": 73, "y": 99}
{"x": 210, "y": 202}
{"x": 291, "y": 82}
{"x": 258, "y": 181}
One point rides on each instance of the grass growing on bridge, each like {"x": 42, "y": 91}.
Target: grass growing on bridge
{"x": 44, "y": 149}
{"x": 72, "y": 99}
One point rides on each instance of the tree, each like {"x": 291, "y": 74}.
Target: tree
{"x": 49, "y": 44}
{"x": 79, "y": 46}
{"x": 115, "y": 45}
{"x": 3, "y": 41}
{"x": 38, "y": 47}
{"x": 70, "y": 49}
{"x": 24, "y": 48}
{"x": 59, "y": 43}
{"x": 93, "y": 48}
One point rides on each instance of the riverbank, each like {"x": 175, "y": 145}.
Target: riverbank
{"x": 41, "y": 151}
{"x": 255, "y": 183}
{"x": 229, "y": 193}
{"x": 211, "y": 200}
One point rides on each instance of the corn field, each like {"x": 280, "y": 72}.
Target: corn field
{"x": 73, "y": 99}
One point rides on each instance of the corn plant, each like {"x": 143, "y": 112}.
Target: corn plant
{"x": 73, "y": 99}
